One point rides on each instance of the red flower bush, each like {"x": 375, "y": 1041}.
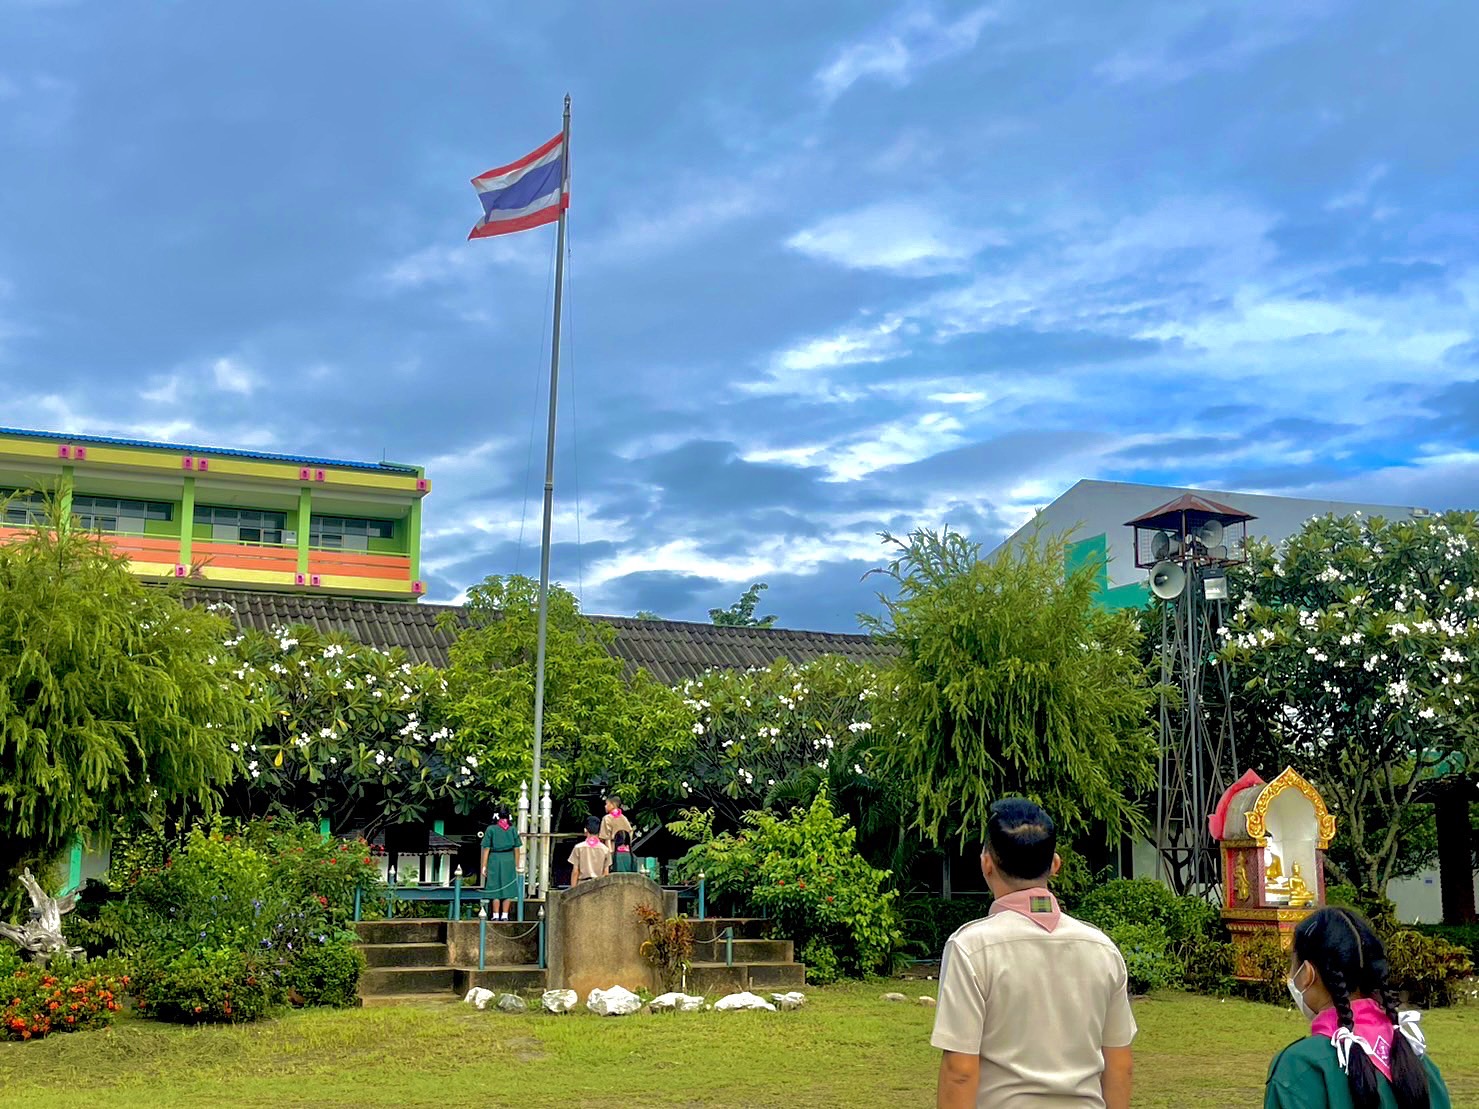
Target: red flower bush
{"x": 70, "y": 998}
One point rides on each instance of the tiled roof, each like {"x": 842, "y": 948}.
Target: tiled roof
{"x": 670, "y": 650}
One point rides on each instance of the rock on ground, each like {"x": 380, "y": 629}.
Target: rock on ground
{"x": 745, "y": 1000}
{"x": 681, "y": 1002}
{"x": 512, "y": 1003}
{"x": 618, "y": 1001}
{"x": 560, "y": 1001}
{"x": 786, "y": 1002}
{"x": 894, "y": 997}
{"x": 479, "y": 997}
{"x": 927, "y": 1002}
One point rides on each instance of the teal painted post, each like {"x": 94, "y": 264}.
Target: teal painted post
{"x": 541, "y": 939}
{"x": 702, "y": 901}
{"x": 729, "y": 947}
{"x": 74, "y": 868}
{"x": 482, "y": 936}
{"x": 390, "y": 894}
{"x": 356, "y": 904}
{"x": 520, "y": 917}
{"x": 323, "y": 828}
{"x": 457, "y": 895}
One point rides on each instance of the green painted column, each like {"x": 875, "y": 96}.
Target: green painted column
{"x": 413, "y": 540}
{"x": 64, "y": 495}
{"x": 305, "y": 518}
{"x": 323, "y": 827}
{"x": 187, "y": 520}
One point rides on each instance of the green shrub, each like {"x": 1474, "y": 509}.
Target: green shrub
{"x": 203, "y": 985}
{"x": 929, "y": 921}
{"x": 36, "y": 1001}
{"x": 1425, "y": 969}
{"x": 1462, "y": 935}
{"x": 804, "y": 872}
{"x": 822, "y": 965}
{"x": 1210, "y": 966}
{"x": 327, "y": 973}
{"x": 10, "y": 960}
{"x": 1148, "y": 958}
{"x": 1268, "y": 966}
{"x": 1195, "y": 938}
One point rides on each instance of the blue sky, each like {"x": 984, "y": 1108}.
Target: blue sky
{"x": 835, "y": 268}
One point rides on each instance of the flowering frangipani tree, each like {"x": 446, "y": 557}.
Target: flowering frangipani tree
{"x": 1359, "y": 643}
{"x": 776, "y": 737}
{"x": 352, "y": 733}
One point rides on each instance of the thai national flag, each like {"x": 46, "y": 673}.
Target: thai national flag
{"x": 528, "y": 193}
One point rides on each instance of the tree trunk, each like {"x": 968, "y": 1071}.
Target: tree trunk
{"x": 1455, "y": 851}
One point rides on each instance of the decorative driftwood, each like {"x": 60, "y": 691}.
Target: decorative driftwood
{"x": 40, "y": 937}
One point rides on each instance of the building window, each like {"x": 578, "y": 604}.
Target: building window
{"x": 244, "y": 525}
{"x": 23, "y": 507}
{"x": 119, "y": 514}
{"x": 350, "y": 533}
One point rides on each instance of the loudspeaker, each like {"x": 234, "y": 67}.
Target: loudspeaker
{"x": 1167, "y": 580}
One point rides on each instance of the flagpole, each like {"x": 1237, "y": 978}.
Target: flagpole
{"x": 549, "y": 507}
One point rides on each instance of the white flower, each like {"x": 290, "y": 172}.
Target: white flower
{"x": 856, "y": 769}
{"x": 235, "y": 748}
{"x": 698, "y": 729}
{"x": 1426, "y": 713}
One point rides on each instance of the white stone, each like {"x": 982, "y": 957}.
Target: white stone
{"x": 479, "y": 997}
{"x": 786, "y": 1002}
{"x": 618, "y": 1001}
{"x": 512, "y": 1003}
{"x": 682, "y": 1002}
{"x": 894, "y": 997}
{"x": 560, "y": 1001}
{"x": 927, "y": 1002}
{"x": 742, "y": 1001}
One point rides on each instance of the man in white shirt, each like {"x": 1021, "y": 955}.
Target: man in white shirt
{"x": 1034, "y": 1010}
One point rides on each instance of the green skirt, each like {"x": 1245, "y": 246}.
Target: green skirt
{"x": 502, "y": 880}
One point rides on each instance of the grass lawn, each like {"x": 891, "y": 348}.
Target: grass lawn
{"x": 846, "y": 1048}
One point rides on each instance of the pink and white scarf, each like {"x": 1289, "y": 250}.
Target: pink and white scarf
{"x": 1373, "y": 1032}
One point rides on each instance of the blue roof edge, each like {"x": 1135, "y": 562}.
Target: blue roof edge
{"x": 224, "y": 452}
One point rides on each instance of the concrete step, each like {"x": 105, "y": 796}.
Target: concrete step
{"x": 503, "y": 979}
{"x": 776, "y": 976}
{"x": 406, "y": 980}
{"x": 401, "y": 931}
{"x": 405, "y": 954}
{"x": 747, "y": 928}
{"x": 375, "y": 1001}
{"x": 746, "y": 951}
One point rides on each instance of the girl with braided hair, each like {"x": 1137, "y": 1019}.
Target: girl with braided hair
{"x": 1362, "y": 1053}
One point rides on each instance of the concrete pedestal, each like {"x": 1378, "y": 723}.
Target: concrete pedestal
{"x": 595, "y": 939}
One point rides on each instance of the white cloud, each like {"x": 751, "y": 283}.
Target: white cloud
{"x": 913, "y": 41}
{"x": 233, "y": 377}
{"x": 909, "y": 239}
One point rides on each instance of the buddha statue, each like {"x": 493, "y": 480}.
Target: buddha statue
{"x": 1300, "y": 895}
{"x": 1273, "y": 874}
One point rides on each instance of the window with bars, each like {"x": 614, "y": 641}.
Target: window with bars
{"x": 350, "y": 533}
{"x": 244, "y": 525}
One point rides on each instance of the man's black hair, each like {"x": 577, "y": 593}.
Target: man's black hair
{"x": 1022, "y": 838}
{"x": 592, "y": 825}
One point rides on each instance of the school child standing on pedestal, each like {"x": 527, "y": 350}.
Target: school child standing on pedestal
{"x": 622, "y": 859}
{"x": 502, "y": 849}
{"x": 614, "y": 821}
{"x": 590, "y": 859}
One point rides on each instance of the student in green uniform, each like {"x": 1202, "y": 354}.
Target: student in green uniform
{"x": 502, "y": 849}
{"x": 622, "y": 859}
{"x": 1361, "y": 1052}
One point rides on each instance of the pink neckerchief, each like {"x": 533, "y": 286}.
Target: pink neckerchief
{"x": 1036, "y": 904}
{"x": 503, "y": 824}
{"x": 593, "y": 841}
{"x": 623, "y": 848}
{"x": 1373, "y": 1032}
{"x": 614, "y": 814}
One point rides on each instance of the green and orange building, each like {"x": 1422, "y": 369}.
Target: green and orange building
{"x": 230, "y": 518}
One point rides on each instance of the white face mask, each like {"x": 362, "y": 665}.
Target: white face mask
{"x": 1298, "y": 995}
